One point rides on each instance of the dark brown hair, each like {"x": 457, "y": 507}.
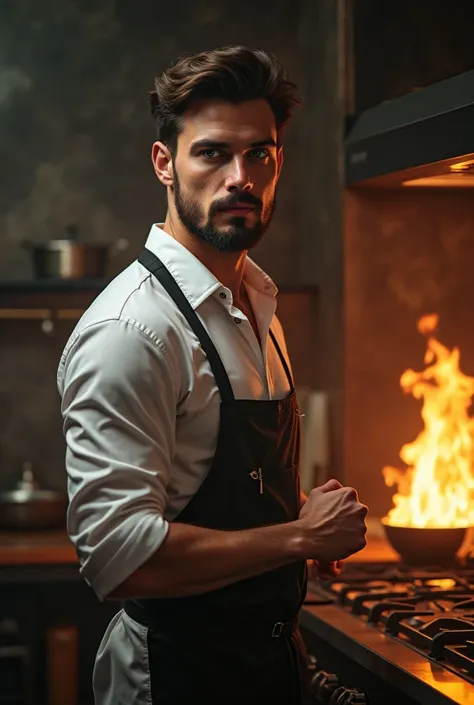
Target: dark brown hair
{"x": 234, "y": 74}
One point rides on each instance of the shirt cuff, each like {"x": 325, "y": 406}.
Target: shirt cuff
{"x": 122, "y": 552}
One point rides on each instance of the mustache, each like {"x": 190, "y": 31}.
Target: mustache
{"x": 234, "y": 199}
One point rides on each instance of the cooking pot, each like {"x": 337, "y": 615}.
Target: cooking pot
{"x": 28, "y": 506}
{"x": 67, "y": 258}
{"x": 425, "y": 546}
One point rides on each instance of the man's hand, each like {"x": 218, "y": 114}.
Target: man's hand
{"x": 316, "y": 569}
{"x": 333, "y": 521}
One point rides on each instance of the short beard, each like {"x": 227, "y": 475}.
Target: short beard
{"x": 236, "y": 237}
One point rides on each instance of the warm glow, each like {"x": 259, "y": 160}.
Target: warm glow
{"x": 462, "y": 166}
{"x": 437, "y": 487}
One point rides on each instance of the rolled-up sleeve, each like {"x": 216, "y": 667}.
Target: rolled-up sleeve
{"x": 118, "y": 406}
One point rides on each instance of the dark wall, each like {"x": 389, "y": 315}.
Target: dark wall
{"x": 401, "y": 45}
{"x": 75, "y": 129}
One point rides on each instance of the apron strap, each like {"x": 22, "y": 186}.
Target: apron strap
{"x": 283, "y": 362}
{"x": 158, "y": 269}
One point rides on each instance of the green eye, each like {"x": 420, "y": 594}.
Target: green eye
{"x": 258, "y": 153}
{"x": 210, "y": 153}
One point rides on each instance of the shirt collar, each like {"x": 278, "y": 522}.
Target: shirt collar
{"x": 194, "y": 279}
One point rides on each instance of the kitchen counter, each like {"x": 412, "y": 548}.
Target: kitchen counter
{"x": 54, "y": 547}
{"x": 36, "y": 548}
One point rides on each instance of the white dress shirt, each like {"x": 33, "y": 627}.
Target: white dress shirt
{"x": 141, "y": 407}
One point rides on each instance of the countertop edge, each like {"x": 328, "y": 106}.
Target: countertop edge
{"x": 36, "y": 548}
{"x": 361, "y": 643}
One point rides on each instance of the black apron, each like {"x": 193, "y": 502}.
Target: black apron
{"x": 238, "y": 644}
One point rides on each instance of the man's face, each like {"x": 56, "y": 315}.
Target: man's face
{"x": 225, "y": 172}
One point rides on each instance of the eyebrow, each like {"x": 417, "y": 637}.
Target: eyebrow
{"x": 213, "y": 144}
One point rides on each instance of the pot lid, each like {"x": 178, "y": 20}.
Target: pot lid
{"x": 71, "y": 234}
{"x": 27, "y": 488}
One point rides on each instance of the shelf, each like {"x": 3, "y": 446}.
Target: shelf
{"x": 47, "y": 300}
{"x": 40, "y": 314}
{"x": 50, "y": 300}
{"x": 96, "y": 285}
{"x": 52, "y": 285}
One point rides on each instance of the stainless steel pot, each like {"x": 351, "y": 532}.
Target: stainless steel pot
{"x": 67, "y": 258}
{"x": 26, "y": 506}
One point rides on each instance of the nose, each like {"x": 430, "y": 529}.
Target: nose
{"x": 238, "y": 176}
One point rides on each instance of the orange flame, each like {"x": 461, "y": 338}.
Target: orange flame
{"x": 437, "y": 488}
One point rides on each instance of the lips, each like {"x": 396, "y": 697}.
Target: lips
{"x": 239, "y": 209}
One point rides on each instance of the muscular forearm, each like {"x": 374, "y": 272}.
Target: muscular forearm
{"x": 193, "y": 560}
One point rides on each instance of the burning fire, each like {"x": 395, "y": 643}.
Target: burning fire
{"x": 437, "y": 488}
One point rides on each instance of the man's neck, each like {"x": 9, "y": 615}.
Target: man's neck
{"x": 227, "y": 267}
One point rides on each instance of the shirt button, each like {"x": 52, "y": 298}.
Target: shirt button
{"x": 222, "y": 295}
{"x": 237, "y": 320}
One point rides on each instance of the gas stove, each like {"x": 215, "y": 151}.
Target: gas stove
{"x": 428, "y": 610}
{"x": 385, "y": 633}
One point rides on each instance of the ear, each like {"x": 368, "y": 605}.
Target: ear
{"x": 279, "y": 161}
{"x": 162, "y": 163}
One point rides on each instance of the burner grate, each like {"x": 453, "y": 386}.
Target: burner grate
{"x": 430, "y": 610}
{"x": 461, "y": 656}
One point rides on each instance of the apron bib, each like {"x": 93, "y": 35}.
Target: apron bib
{"x": 238, "y": 644}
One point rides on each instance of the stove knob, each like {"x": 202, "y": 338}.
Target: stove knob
{"x": 348, "y": 696}
{"x": 323, "y": 685}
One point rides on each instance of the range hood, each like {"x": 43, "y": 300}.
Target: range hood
{"x": 425, "y": 138}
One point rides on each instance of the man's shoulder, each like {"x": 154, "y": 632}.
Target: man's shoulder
{"x": 133, "y": 297}
{"x": 131, "y": 306}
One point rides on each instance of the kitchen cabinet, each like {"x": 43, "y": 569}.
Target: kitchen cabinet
{"x": 60, "y": 621}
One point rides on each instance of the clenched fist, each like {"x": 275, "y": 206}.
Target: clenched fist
{"x": 333, "y": 522}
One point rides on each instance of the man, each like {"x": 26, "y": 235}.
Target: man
{"x": 181, "y": 422}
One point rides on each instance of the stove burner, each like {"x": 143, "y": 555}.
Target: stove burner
{"x": 430, "y": 610}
